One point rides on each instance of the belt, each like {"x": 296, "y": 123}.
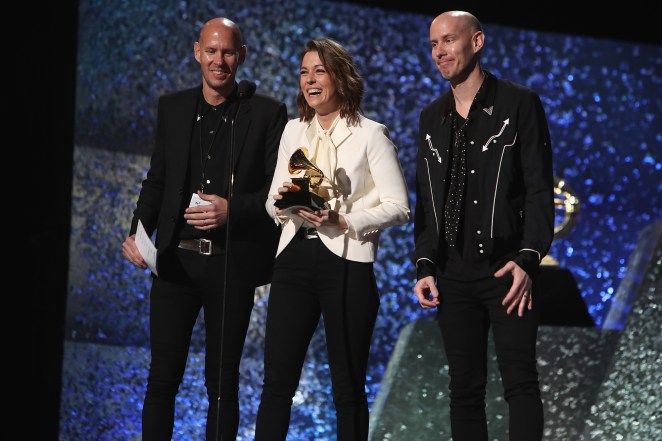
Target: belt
{"x": 201, "y": 246}
{"x": 307, "y": 233}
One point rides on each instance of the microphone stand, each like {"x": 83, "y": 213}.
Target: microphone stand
{"x": 240, "y": 99}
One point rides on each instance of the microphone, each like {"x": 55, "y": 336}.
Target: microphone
{"x": 245, "y": 90}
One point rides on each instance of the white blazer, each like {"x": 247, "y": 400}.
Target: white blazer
{"x": 373, "y": 191}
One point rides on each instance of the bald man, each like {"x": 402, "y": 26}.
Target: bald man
{"x": 215, "y": 241}
{"x": 483, "y": 222}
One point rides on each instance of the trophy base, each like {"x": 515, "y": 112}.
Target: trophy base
{"x": 560, "y": 299}
{"x": 302, "y": 199}
{"x": 300, "y": 195}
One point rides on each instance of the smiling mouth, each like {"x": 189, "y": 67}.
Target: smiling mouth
{"x": 314, "y": 92}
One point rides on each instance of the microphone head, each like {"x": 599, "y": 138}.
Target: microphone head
{"x": 246, "y": 89}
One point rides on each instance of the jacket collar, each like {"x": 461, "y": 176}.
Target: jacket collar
{"x": 338, "y": 132}
{"x": 487, "y": 94}
{"x": 484, "y": 98}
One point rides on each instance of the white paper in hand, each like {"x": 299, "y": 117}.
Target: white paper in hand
{"x": 146, "y": 248}
{"x": 197, "y": 200}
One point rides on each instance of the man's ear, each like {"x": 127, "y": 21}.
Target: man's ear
{"x": 196, "y": 51}
{"x": 242, "y": 55}
{"x": 478, "y": 40}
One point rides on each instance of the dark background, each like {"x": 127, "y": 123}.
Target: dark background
{"x": 44, "y": 85}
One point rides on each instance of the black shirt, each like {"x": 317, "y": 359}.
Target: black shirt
{"x": 208, "y": 160}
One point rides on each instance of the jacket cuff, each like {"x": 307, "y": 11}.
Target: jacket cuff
{"x": 528, "y": 261}
{"x": 425, "y": 268}
{"x": 134, "y": 226}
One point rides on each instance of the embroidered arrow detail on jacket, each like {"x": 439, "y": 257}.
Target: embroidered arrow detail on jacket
{"x": 493, "y": 137}
{"x": 435, "y": 152}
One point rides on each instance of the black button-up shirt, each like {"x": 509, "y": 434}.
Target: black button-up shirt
{"x": 468, "y": 260}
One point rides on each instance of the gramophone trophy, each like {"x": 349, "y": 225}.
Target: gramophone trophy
{"x": 566, "y": 206}
{"x": 556, "y": 288}
{"x": 303, "y": 190}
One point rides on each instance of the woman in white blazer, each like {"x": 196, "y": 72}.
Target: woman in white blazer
{"x": 324, "y": 263}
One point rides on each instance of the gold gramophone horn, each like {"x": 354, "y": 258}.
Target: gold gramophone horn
{"x": 299, "y": 161}
{"x": 566, "y": 205}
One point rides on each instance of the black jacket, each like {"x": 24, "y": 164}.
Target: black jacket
{"x": 514, "y": 176}
{"x": 258, "y": 127}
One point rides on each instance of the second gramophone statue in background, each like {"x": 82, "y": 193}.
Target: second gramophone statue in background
{"x": 305, "y": 190}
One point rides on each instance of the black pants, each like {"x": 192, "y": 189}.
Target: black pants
{"x": 466, "y": 312}
{"x": 310, "y": 281}
{"x": 189, "y": 282}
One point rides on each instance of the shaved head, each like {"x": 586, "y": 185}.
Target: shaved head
{"x": 464, "y": 20}
{"x": 221, "y": 22}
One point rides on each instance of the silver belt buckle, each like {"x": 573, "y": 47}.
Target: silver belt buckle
{"x": 204, "y": 247}
{"x": 310, "y": 233}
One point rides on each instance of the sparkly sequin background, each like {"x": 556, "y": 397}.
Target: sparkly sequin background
{"x": 603, "y": 104}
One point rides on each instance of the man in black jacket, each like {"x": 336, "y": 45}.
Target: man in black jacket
{"x": 210, "y": 222}
{"x": 484, "y": 220}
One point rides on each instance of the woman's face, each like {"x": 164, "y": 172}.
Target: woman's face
{"x": 317, "y": 85}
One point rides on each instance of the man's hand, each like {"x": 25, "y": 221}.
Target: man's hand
{"x": 208, "y": 217}
{"x": 131, "y": 252}
{"x": 519, "y": 294}
{"x": 426, "y": 292}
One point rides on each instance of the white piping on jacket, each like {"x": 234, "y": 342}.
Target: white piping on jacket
{"x": 535, "y": 251}
{"x": 434, "y": 208}
{"x": 496, "y": 185}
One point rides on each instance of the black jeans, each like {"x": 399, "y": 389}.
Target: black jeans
{"x": 309, "y": 281}
{"x": 193, "y": 282}
{"x": 466, "y": 312}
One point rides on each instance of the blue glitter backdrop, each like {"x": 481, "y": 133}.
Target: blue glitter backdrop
{"x": 602, "y": 100}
